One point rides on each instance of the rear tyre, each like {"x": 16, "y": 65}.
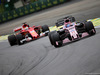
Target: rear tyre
{"x": 45, "y": 28}
{"x": 92, "y": 32}
{"x": 90, "y": 28}
{"x": 12, "y": 40}
{"x": 57, "y": 42}
{"x": 19, "y": 37}
{"x": 50, "y": 35}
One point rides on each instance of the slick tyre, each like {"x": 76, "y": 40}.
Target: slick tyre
{"x": 50, "y": 36}
{"x": 90, "y": 28}
{"x": 69, "y": 37}
{"x": 12, "y": 40}
{"x": 19, "y": 37}
{"x": 45, "y": 28}
{"x": 57, "y": 42}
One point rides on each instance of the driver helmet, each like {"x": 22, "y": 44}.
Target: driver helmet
{"x": 25, "y": 26}
{"x": 67, "y": 22}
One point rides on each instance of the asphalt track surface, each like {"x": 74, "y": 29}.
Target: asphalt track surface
{"x": 39, "y": 57}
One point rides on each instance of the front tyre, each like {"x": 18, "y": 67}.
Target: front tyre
{"x": 19, "y": 37}
{"x": 50, "y": 36}
{"x": 69, "y": 37}
{"x": 57, "y": 42}
{"x": 12, "y": 40}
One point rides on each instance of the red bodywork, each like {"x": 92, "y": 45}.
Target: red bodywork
{"x": 30, "y": 30}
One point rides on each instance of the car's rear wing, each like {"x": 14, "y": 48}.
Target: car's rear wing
{"x": 60, "y": 21}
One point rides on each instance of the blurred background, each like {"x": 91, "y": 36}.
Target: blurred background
{"x": 11, "y": 9}
{"x": 8, "y": 5}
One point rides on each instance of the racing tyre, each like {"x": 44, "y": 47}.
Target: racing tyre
{"x": 12, "y": 40}
{"x": 92, "y": 32}
{"x": 90, "y": 28}
{"x": 80, "y": 35}
{"x": 69, "y": 37}
{"x": 45, "y": 28}
{"x": 50, "y": 37}
{"x": 57, "y": 42}
{"x": 19, "y": 37}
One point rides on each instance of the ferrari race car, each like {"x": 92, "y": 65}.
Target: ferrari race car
{"x": 25, "y": 33}
{"x": 72, "y": 31}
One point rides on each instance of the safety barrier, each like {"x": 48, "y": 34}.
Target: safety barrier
{"x": 31, "y": 8}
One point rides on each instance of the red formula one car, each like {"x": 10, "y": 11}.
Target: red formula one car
{"x": 72, "y": 31}
{"x": 25, "y": 33}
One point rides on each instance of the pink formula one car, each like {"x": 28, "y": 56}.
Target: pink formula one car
{"x": 25, "y": 33}
{"x": 72, "y": 31}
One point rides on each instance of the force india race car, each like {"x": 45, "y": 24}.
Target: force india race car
{"x": 73, "y": 32}
{"x": 25, "y": 33}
